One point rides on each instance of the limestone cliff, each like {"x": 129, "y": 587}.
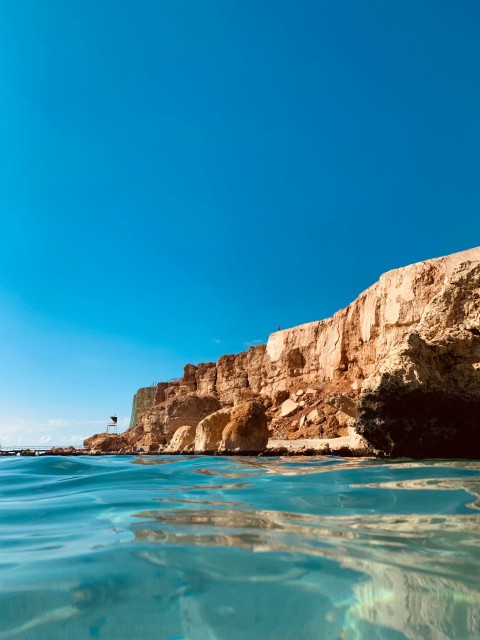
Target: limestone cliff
{"x": 402, "y": 363}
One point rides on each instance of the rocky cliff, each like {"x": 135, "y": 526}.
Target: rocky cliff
{"x": 401, "y": 365}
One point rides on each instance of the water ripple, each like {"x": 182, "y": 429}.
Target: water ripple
{"x": 204, "y": 548}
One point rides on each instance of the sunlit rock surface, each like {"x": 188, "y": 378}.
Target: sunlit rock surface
{"x": 400, "y": 365}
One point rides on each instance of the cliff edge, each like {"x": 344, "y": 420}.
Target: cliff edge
{"x": 397, "y": 371}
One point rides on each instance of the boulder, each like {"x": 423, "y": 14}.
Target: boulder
{"x": 208, "y": 433}
{"x": 280, "y": 396}
{"x": 162, "y": 420}
{"x": 288, "y": 408}
{"x": 342, "y": 403}
{"x": 247, "y": 430}
{"x": 61, "y": 451}
{"x": 188, "y": 411}
{"x": 182, "y": 437}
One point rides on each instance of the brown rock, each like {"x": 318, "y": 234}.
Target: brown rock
{"x": 342, "y": 403}
{"x": 189, "y": 411}
{"x": 247, "y": 430}
{"x": 267, "y": 402}
{"x": 105, "y": 443}
{"x": 189, "y": 379}
{"x": 423, "y": 399}
{"x": 162, "y": 420}
{"x": 413, "y": 336}
{"x": 61, "y": 451}
{"x": 209, "y": 431}
{"x": 280, "y": 396}
{"x": 206, "y": 377}
{"x": 182, "y": 437}
{"x": 288, "y": 407}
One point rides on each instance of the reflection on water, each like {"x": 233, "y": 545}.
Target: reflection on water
{"x": 410, "y": 572}
{"x": 226, "y": 549}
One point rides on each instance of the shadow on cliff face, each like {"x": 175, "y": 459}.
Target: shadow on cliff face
{"x": 429, "y": 406}
{"x": 416, "y": 423}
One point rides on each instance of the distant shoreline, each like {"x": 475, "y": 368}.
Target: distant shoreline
{"x": 305, "y": 447}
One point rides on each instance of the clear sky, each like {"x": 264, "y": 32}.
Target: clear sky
{"x": 178, "y": 177}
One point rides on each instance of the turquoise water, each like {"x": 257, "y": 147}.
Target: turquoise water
{"x": 211, "y": 548}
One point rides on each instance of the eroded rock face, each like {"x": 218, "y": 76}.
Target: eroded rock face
{"x": 402, "y": 361}
{"x": 159, "y": 423}
{"x": 105, "y": 443}
{"x": 182, "y": 438}
{"x": 424, "y": 398}
{"x": 239, "y": 429}
{"x": 61, "y": 451}
{"x": 208, "y": 433}
{"x": 247, "y": 430}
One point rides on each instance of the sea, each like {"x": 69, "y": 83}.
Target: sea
{"x": 239, "y": 548}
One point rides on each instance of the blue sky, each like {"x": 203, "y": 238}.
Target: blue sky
{"x": 178, "y": 177}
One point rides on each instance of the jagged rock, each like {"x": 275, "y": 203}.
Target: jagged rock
{"x": 313, "y": 416}
{"x": 267, "y": 402}
{"x": 208, "y": 433}
{"x": 405, "y": 352}
{"x": 246, "y": 431}
{"x": 342, "y": 403}
{"x": 424, "y": 398}
{"x": 189, "y": 379}
{"x": 206, "y": 377}
{"x": 188, "y": 411}
{"x": 357, "y": 442}
{"x": 288, "y": 407}
{"x": 61, "y": 451}
{"x": 331, "y": 427}
{"x": 142, "y": 402}
{"x": 162, "y": 420}
{"x": 149, "y": 441}
{"x": 233, "y": 429}
{"x": 182, "y": 437}
{"x": 280, "y": 396}
{"x": 295, "y": 362}
{"x": 344, "y": 420}
{"x": 127, "y": 451}
{"x": 105, "y": 443}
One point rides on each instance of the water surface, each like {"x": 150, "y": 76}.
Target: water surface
{"x": 212, "y": 548}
